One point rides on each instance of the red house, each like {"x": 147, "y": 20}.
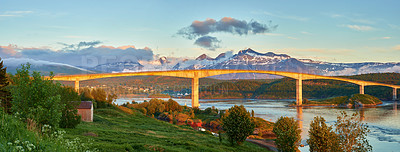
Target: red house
{"x": 85, "y": 110}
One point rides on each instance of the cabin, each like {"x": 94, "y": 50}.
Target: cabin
{"x": 85, "y": 110}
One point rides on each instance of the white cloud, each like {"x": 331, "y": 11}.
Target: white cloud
{"x": 15, "y": 13}
{"x": 360, "y": 27}
{"x": 305, "y": 33}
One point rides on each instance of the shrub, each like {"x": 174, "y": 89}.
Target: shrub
{"x": 70, "y": 99}
{"x": 36, "y": 98}
{"x": 288, "y": 134}
{"x": 237, "y": 124}
{"x": 322, "y": 137}
{"x": 352, "y": 133}
{"x": 172, "y": 105}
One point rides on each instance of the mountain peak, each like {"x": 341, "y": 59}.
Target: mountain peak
{"x": 222, "y": 55}
{"x": 251, "y": 52}
{"x": 204, "y": 57}
{"x": 163, "y": 60}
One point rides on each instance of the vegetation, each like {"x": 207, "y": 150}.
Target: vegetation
{"x": 39, "y": 106}
{"x": 352, "y": 133}
{"x": 99, "y": 96}
{"x": 115, "y": 130}
{"x": 238, "y": 124}
{"x": 69, "y": 98}
{"x": 322, "y": 137}
{"x": 349, "y": 135}
{"x": 288, "y": 134}
{"x": 353, "y": 100}
{"x": 14, "y": 136}
{"x": 35, "y": 98}
{"x": 5, "y": 95}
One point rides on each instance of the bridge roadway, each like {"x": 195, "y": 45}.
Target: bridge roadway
{"x": 196, "y": 74}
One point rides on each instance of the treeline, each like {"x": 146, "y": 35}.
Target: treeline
{"x": 99, "y": 96}
{"x": 314, "y": 89}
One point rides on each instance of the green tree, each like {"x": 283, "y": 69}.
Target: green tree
{"x": 237, "y": 124}
{"x": 287, "y": 133}
{"x": 36, "y": 98}
{"x": 322, "y": 137}
{"x": 352, "y": 133}
{"x": 71, "y": 100}
{"x": 5, "y": 95}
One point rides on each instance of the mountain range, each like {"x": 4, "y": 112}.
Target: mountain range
{"x": 245, "y": 59}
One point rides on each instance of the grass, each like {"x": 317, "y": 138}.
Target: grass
{"x": 14, "y": 136}
{"x": 362, "y": 98}
{"x": 114, "y": 130}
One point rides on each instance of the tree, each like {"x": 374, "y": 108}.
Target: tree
{"x": 237, "y": 124}
{"x": 71, "y": 100}
{"x": 322, "y": 137}
{"x": 5, "y": 95}
{"x": 36, "y": 98}
{"x": 352, "y": 133}
{"x": 287, "y": 133}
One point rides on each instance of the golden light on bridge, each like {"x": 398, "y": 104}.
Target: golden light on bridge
{"x": 196, "y": 74}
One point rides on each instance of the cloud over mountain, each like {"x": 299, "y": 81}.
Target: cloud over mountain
{"x": 83, "y": 54}
{"x": 200, "y": 29}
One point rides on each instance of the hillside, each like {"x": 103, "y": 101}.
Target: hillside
{"x": 314, "y": 89}
{"x": 114, "y": 130}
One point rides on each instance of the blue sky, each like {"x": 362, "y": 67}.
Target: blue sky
{"x": 334, "y": 31}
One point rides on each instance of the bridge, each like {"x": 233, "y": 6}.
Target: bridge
{"x": 196, "y": 74}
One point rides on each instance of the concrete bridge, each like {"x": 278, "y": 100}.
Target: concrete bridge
{"x": 196, "y": 74}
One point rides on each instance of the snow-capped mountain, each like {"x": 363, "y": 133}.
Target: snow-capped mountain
{"x": 251, "y": 60}
{"x": 128, "y": 66}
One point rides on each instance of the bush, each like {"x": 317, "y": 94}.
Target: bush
{"x": 172, "y": 105}
{"x": 71, "y": 100}
{"x": 352, "y": 133}
{"x": 288, "y": 134}
{"x": 322, "y": 137}
{"x": 36, "y": 98}
{"x": 237, "y": 124}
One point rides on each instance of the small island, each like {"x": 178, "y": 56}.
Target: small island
{"x": 354, "y": 101}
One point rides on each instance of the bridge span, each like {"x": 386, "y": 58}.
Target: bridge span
{"x": 196, "y": 74}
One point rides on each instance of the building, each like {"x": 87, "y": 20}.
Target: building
{"x": 85, "y": 110}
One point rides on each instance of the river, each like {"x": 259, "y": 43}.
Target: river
{"x": 384, "y": 122}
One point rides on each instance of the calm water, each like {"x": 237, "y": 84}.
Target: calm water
{"x": 384, "y": 122}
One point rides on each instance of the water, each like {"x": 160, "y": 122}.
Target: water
{"x": 384, "y": 122}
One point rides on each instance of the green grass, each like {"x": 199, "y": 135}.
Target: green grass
{"x": 362, "y": 98}
{"x": 118, "y": 131}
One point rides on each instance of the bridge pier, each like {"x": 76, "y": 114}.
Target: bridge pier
{"x": 77, "y": 86}
{"x": 394, "y": 94}
{"x": 362, "y": 89}
{"x": 299, "y": 92}
{"x": 195, "y": 90}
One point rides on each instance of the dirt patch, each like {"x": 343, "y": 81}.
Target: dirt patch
{"x": 90, "y": 134}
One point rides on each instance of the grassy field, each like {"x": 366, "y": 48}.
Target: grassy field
{"x": 114, "y": 130}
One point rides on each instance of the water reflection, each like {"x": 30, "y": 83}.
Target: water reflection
{"x": 362, "y": 115}
{"x": 300, "y": 116}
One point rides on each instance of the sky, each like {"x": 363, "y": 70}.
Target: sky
{"x": 333, "y": 31}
